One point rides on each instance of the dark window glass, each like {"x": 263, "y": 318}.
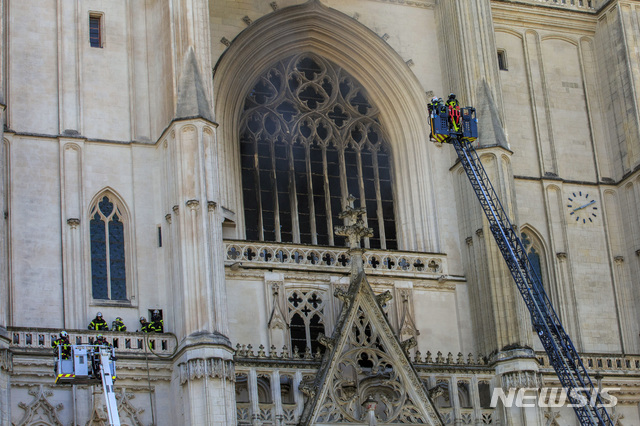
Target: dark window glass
{"x": 318, "y": 140}
{"x": 108, "y": 263}
{"x": 95, "y": 31}
{"x": 298, "y": 333}
{"x": 502, "y": 60}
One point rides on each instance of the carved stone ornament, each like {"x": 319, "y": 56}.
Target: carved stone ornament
{"x": 214, "y": 368}
{"x": 73, "y": 222}
{"x": 383, "y": 298}
{"x": 325, "y": 341}
{"x": 6, "y": 360}
{"x": 407, "y": 322}
{"x": 129, "y": 414}
{"x": 366, "y": 363}
{"x": 276, "y": 319}
{"x": 521, "y": 379}
{"x": 40, "y": 410}
{"x": 408, "y": 344}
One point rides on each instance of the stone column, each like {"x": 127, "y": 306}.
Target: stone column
{"x": 196, "y": 270}
{"x": 502, "y": 320}
{"x": 518, "y": 370}
{"x": 6, "y": 365}
{"x": 470, "y": 69}
{"x": 74, "y": 290}
{"x": 5, "y": 279}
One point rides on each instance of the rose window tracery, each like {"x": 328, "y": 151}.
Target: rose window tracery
{"x": 309, "y": 137}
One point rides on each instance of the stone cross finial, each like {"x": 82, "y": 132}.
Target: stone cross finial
{"x": 355, "y": 229}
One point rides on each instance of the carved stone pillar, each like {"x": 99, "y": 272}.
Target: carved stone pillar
{"x": 5, "y": 240}
{"x": 196, "y": 231}
{"x": 75, "y": 292}
{"x": 6, "y": 365}
{"x": 501, "y": 318}
{"x": 466, "y": 33}
{"x": 209, "y": 386}
{"x": 518, "y": 370}
{"x": 196, "y": 274}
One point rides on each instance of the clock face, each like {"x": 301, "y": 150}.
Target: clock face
{"x": 582, "y": 207}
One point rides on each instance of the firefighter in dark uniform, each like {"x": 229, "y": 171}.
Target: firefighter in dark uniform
{"x": 98, "y": 323}
{"x": 453, "y": 106}
{"x": 157, "y": 324}
{"x": 102, "y": 341}
{"x": 64, "y": 344}
{"x": 144, "y": 325}
{"x": 118, "y": 325}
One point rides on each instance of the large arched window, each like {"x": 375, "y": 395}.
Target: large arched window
{"x": 107, "y": 234}
{"x": 310, "y": 137}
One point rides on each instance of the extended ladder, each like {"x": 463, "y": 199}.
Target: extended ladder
{"x": 562, "y": 354}
{"x": 107, "y": 376}
{"x": 90, "y": 365}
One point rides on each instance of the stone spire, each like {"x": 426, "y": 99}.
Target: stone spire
{"x": 354, "y": 230}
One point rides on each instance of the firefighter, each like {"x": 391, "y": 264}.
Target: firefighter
{"x": 63, "y": 342}
{"x": 98, "y": 323}
{"x": 118, "y": 325}
{"x": 433, "y": 107}
{"x": 102, "y": 341}
{"x": 144, "y": 325}
{"x": 157, "y": 324}
{"x": 453, "y": 106}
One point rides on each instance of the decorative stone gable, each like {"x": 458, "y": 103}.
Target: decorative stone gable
{"x": 365, "y": 374}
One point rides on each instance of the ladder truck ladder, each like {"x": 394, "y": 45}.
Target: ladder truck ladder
{"x": 562, "y": 354}
{"x": 107, "y": 375}
{"x": 89, "y": 365}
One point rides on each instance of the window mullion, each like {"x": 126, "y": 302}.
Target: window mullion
{"x": 274, "y": 192}
{"x": 293, "y": 195}
{"x": 343, "y": 177}
{"x": 256, "y": 163}
{"x": 327, "y": 195}
{"x": 307, "y": 331}
{"x": 107, "y": 256}
{"x": 376, "y": 174}
{"x": 363, "y": 198}
{"x": 312, "y": 209}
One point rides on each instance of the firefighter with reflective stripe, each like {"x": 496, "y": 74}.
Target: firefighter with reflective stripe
{"x": 144, "y": 325}
{"x": 453, "y": 106}
{"x": 157, "y": 324}
{"x": 102, "y": 341}
{"x": 118, "y": 325}
{"x": 64, "y": 344}
{"x": 98, "y": 323}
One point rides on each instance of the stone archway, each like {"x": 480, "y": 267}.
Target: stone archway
{"x": 312, "y": 27}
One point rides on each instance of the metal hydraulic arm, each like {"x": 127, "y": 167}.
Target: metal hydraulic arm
{"x": 563, "y": 356}
{"x": 107, "y": 385}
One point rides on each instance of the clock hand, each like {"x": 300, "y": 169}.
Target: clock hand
{"x": 586, "y": 205}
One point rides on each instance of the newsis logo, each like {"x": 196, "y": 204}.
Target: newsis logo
{"x": 553, "y": 397}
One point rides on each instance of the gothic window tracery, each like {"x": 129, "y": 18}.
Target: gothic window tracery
{"x": 107, "y": 227}
{"x": 310, "y": 137}
{"x": 306, "y": 319}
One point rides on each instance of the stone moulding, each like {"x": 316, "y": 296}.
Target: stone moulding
{"x": 214, "y": 368}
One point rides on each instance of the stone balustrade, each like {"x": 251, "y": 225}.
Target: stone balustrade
{"x": 603, "y": 362}
{"x": 583, "y": 5}
{"x": 249, "y": 353}
{"x": 33, "y": 339}
{"x": 295, "y": 256}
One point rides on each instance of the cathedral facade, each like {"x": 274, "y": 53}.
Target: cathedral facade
{"x": 204, "y": 159}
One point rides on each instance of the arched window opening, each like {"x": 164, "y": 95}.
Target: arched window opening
{"x": 107, "y": 235}
{"x": 242, "y": 388}
{"x": 309, "y": 138}
{"x": 306, "y": 320}
{"x": 533, "y": 253}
